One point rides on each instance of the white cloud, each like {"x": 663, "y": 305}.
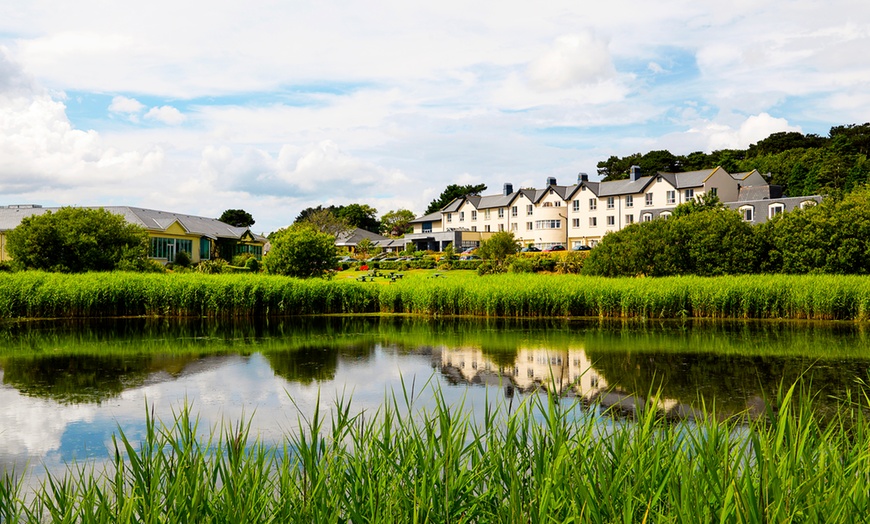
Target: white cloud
{"x": 166, "y": 114}
{"x": 122, "y": 104}
{"x": 573, "y": 60}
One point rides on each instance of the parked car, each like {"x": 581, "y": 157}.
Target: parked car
{"x": 530, "y": 249}
{"x": 554, "y": 248}
{"x": 468, "y": 251}
{"x": 582, "y": 248}
{"x": 469, "y": 257}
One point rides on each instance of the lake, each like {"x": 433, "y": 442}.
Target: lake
{"x": 68, "y": 386}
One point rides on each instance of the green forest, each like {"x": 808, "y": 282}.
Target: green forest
{"x": 802, "y": 164}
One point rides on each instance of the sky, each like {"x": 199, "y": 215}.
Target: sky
{"x": 274, "y": 106}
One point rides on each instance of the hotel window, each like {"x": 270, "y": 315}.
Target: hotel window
{"x": 530, "y": 209}
{"x": 690, "y": 194}
{"x": 486, "y": 214}
{"x": 775, "y": 209}
{"x": 666, "y": 215}
{"x": 204, "y": 248}
{"x": 647, "y": 217}
{"x": 671, "y": 197}
{"x": 514, "y": 211}
{"x": 575, "y": 222}
{"x": 548, "y": 224}
{"x": 610, "y": 202}
{"x": 474, "y": 228}
{"x": 501, "y": 227}
{"x": 575, "y": 206}
{"x": 449, "y": 217}
{"x": 501, "y": 212}
{"x": 714, "y": 191}
{"x": 648, "y": 198}
{"x": 548, "y": 204}
{"x": 747, "y": 213}
{"x": 473, "y": 215}
{"x": 486, "y": 228}
{"x": 514, "y": 226}
{"x": 629, "y": 219}
{"x": 462, "y": 216}
{"x": 557, "y": 203}
{"x": 593, "y": 221}
{"x": 611, "y": 220}
{"x": 629, "y": 201}
{"x": 528, "y": 226}
{"x": 593, "y": 204}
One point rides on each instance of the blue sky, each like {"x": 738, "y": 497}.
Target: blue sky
{"x": 198, "y": 107}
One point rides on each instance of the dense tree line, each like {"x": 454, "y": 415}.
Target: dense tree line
{"x": 707, "y": 239}
{"x": 803, "y": 164}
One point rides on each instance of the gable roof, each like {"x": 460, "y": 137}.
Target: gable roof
{"x": 354, "y": 236}
{"x": 150, "y": 219}
{"x": 431, "y": 217}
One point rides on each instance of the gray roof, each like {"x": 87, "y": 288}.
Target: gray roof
{"x": 759, "y": 193}
{"x": 150, "y": 219}
{"x": 354, "y": 237}
{"x": 688, "y": 178}
{"x": 431, "y": 217}
{"x": 761, "y": 206}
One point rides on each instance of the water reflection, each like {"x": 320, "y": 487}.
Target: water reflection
{"x": 67, "y": 386}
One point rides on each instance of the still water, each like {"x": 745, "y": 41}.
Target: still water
{"x": 65, "y": 388}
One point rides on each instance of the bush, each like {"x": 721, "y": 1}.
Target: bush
{"x": 490, "y": 267}
{"x": 182, "y": 259}
{"x": 252, "y": 264}
{"x": 521, "y": 265}
{"x": 301, "y": 251}
{"x": 213, "y": 267}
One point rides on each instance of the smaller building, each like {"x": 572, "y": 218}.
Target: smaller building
{"x": 171, "y": 233}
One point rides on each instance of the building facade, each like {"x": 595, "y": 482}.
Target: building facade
{"x": 581, "y": 214}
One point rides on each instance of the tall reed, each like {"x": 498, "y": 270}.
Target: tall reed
{"x": 420, "y": 459}
{"x": 817, "y": 297}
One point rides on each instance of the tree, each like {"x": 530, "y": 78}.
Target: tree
{"x": 451, "y": 193}
{"x": 498, "y": 247}
{"x": 301, "y": 251}
{"x": 397, "y": 223}
{"x": 360, "y": 215}
{"x": 237, "y": 218}
{"x": 323, "y": 220}
{"x": 364, "y": 247}
{"x": 74, "y": 240}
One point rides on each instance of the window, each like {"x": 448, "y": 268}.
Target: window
{"x": 647, "y": 217}
{"x": 775, "y": 209}
{"x": 530, "y": 209}
{"x": 629, "y": 201}
{"x": 557, "y": 203}
{"x": 449, "y": 217}
{"x": 629, "y": 219}
{"x": 690, "y": 194}
{"x": 486, "y": 228}
{"x": 486, "y": 214}
{"x": 575, "y": 222}
{"x": 528, "y": 226}
{"x": 257, "y": 251}
{"x": 807, "y": 203}
{"x": 462, "y": 216}
{"x": 474, "y": 228}
{"x": 168, "y": 248}
{"x": 548, "y": 204}
{"x": 501, "y": 212}
{"x": 204, "y": 249}
{"x": 610, "y": 202}
{"x": 514, "y": 226}
{"x": 672, "y": 197}
{"x": 593, "y": 221}
{"x": 649, "y": 200}
{"x": 593, "y": 204}
{"x": 748, "y": 213}
{"x": 714, "y": 191}
{"x": 427, "y": 226}
{"x": 548, "y": 224}
{"x": 665, "y": 215}
{"x": 514, "y": 211}
{"x": 474, "y": 215}
{"x": 611, "y": 220}
{"x": 501, "y": 227}
{"x": 575, "y": 206}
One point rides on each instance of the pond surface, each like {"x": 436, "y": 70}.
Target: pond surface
{"x": 65, "y": 388}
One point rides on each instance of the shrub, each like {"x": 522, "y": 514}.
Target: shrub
{"x": 521, "y": 265}
{"x": 253, "y": 264}
{"x": 182, "y": 259}
{"x": 212, "y": 267}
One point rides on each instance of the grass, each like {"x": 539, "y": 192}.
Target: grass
{"x": 815, "y": 297}
{"x": 544, "y": 461}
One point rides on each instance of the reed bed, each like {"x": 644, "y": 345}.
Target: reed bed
{"x": 814, "y": 297}
{"x": 545, "y": 461}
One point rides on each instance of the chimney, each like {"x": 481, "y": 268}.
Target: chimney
{"x": 551, "y": 181}
{"x": 582, "y": 177}
{"x": 635, "y": 173}
{"x": 508, "y": 188}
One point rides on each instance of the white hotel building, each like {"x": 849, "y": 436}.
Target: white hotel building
{"x": 582, "y": 213}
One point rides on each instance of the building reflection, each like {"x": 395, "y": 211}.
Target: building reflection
{"x": 567, "y": 373}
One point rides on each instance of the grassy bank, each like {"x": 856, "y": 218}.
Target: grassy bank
{"x": 817, "y": 297}
{"x": 542, "y": 462}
